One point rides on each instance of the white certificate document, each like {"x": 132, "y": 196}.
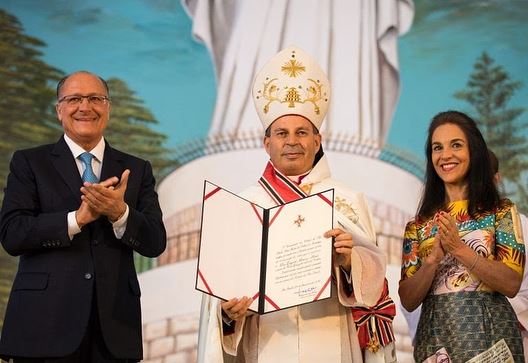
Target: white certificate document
{"x": 277, "y": 256}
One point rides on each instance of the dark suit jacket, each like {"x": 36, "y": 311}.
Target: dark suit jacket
{"x": 51, "y": 298}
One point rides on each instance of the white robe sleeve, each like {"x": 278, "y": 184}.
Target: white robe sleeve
{"x": 231, "y": 342}
{"x": 209, "y": 342}
{"x": 368, "y": 263}
{"x": 520, "y": 301}
{"x": 211, "y": 339}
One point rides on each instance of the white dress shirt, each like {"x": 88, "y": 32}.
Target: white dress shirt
{"x": 119, "y": 226}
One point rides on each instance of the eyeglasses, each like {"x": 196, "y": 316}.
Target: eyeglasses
{"x": 92, "y": 99}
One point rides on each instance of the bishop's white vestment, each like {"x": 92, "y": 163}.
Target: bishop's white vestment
{"x": 323, "y": 331}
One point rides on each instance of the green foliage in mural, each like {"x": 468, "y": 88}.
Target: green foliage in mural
{"x": 27, "y": 119}
{"x": 431, "y": 14}
{"x": 489, "y": 91}
{"x": 27, "y": 116}
{"x": 130, "y": 129}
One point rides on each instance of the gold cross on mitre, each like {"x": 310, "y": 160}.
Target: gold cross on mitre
{"x": 293, "y": 68}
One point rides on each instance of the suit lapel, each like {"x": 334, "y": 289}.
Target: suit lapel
{"x": 112, "y": 164}
{"x": 62, "y": 160}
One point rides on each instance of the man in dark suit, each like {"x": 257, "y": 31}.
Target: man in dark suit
{"x": 74, "y": 212}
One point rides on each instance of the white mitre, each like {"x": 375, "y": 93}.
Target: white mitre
{"x": 291, "y": 83}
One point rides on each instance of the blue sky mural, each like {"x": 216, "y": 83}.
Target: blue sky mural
{"x": 148, "y": 43}
{"x": 438, "y": 53}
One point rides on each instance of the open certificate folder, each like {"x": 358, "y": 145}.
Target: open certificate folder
{"x": 277, "y": 256}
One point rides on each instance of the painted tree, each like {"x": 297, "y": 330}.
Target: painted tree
{"x": 130, "y": 129}
{"x": 489, "y": 91}
{"x": 27, "y": 117}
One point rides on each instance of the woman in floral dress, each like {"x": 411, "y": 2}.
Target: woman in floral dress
{"x": 463, "y": 252}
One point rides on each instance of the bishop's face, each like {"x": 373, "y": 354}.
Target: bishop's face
{"x": 292, "y": 144}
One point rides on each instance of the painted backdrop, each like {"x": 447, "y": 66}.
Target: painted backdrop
{"x": 164, "y": 88}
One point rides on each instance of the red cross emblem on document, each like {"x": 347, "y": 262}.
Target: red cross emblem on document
{"x": 299, "y": 220}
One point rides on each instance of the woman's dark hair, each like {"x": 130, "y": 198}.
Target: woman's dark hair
{"x": 482, "y": 191}
{"x": 494, "y": 162}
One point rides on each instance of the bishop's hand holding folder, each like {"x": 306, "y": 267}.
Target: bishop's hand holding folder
{"x": 276, "y": 256}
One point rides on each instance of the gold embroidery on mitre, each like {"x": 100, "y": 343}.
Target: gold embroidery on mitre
{"x": 271, "y": 92}
{"x": 317, "y": 94}
{"x": 346, "y": 209}
{"x": 293, "y": 68}
{"x": 292, "y": 97}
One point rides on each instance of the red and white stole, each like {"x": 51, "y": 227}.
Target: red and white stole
{"x": 279, "y": 187}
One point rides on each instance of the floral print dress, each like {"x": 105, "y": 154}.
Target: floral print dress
{"x": 461, "y": 313}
